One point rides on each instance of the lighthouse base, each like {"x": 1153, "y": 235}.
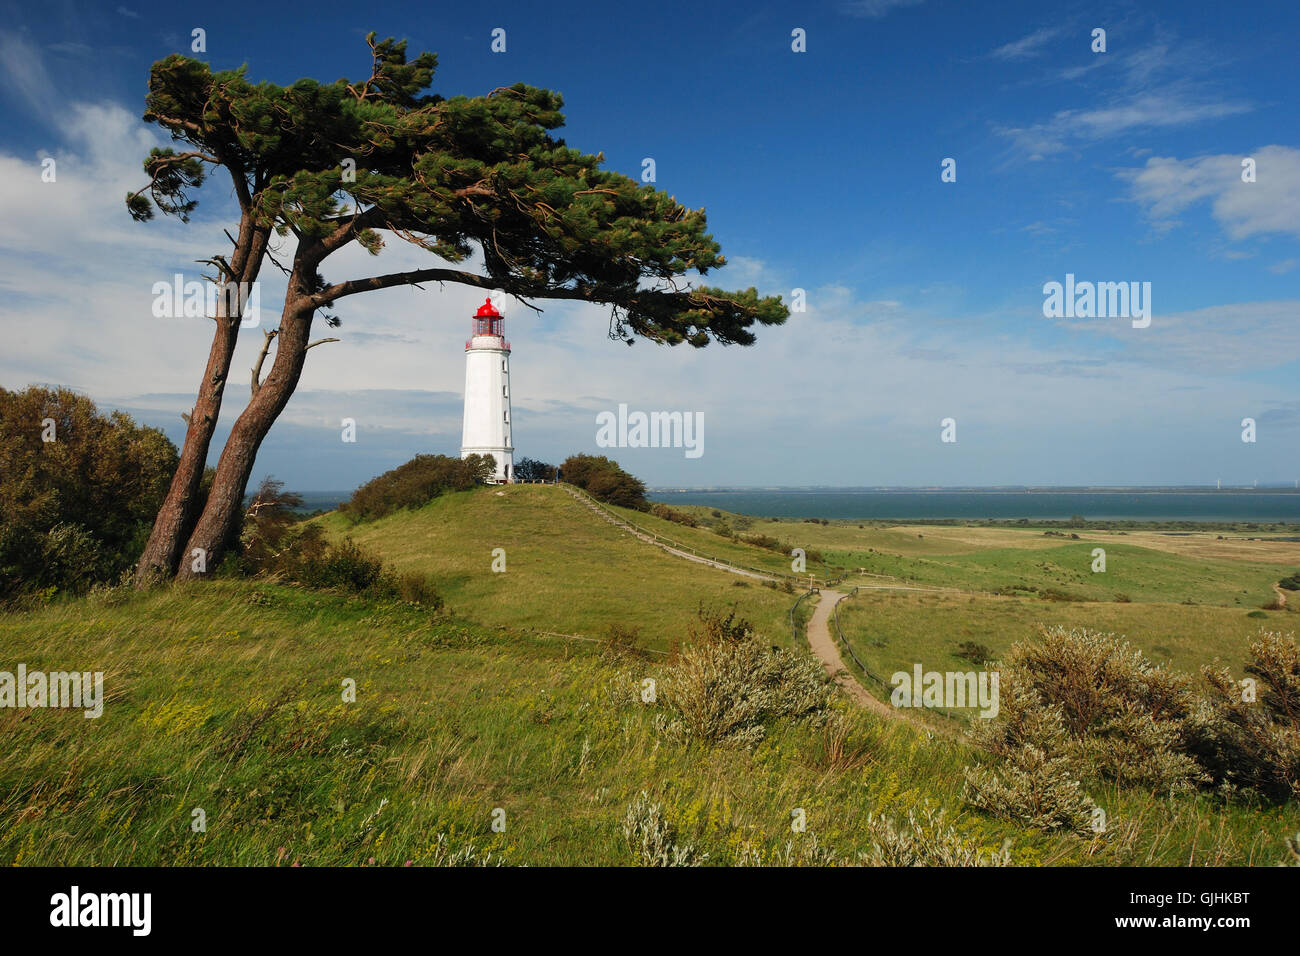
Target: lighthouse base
{"x": 504, "y": 457}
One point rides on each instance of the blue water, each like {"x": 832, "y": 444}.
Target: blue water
{"x": 1047, "y": 505}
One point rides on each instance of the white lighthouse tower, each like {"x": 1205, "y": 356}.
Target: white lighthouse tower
{"x": 487, "y": 392}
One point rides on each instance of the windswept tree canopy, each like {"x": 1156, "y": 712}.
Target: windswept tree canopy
{"x": 344, "y": 161}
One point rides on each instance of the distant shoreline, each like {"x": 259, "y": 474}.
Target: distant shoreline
{"x": 1003, "y": 505}
{"x": 991, "y": 490}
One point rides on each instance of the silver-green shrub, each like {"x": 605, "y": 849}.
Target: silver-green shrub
{"x": 1251, "y": 741}
{"x": 653, "y": 839}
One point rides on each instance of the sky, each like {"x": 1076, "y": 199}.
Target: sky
{"x": 821, "y": 170}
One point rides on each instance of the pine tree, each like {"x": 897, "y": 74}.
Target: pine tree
{"x": 349, "y": 162}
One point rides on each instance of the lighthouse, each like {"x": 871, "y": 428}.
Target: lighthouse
{"x": 487, "y": 392}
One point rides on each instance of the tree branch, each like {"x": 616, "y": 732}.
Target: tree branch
{"x": 261, "y": 357}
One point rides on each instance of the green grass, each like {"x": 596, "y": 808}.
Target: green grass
{"x": 892, "y": 630}
{"x": 227, "y": 697}
{"x": 567, "y": 571}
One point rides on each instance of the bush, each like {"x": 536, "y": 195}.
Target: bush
{"x": 726, "y": 684}
{"x": 973, "y": 651}
{"x": 274, "y": 544}
{"x": 344, "y": 567}
{"x": 624, "y": 639}
{"x": 925, "y": 840}
{"x": 416, "y": 483}
{"x": 652, "y": 839}
{"x": 1037, "y": 782}
{"x": 1124, "y": 718}
{"x": 660, "y": 510}
{"x": 530, "y": 469}
{"x": 76, "y": 510}
{"x": 1254, "y": 744}
{"x": 605, "y": 481}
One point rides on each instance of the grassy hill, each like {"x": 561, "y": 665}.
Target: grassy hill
{"x": 227, "y": 697}
{"x": 566, "y": 570}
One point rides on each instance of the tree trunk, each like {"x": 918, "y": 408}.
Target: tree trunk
{"x": 176, "y": 516}
{"x": 219, "y": 523}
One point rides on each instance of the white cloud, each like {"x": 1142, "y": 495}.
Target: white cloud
{"x": 1216, "y": 340}
{"x": 1164, "y": 108}
{"x": 1027, "y": 46}
{"x": 23, "y": 71}
{"x": 1166, "y": 187}
{"x": 864, "y": 376}
{"x": 1159, "y": 86}
{"x": 875, "y": 9}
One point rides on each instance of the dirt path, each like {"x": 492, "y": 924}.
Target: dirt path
{"x": 826, "y": 650}
{"x": 820, "y": 639}
{"x": 623, "y": 525}
{"x": 1281, "y": 595}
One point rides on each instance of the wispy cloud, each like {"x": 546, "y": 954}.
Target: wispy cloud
{"x": 1164, "y": 108}
{"x": 23, "y": 71}
{"x": 1159, "y": 86}
{"x": 875, "y": 9}
{"x": 1027, "y": 46}
{"x": 1236, "y": 337}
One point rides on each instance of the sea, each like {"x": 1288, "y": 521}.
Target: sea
{"x": 1048, "y": 504}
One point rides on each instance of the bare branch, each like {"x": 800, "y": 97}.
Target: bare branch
{"x": 261, "y": 357}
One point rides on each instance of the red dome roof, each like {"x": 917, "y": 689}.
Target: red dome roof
{"x": 487, "y": 311}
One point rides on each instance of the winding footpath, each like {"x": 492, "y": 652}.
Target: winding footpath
{"x": 820, "y": 639}
{"x": 827, "y": 651}
{"x": 636, "y": 533}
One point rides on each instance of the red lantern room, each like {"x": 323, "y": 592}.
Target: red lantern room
{"x": 488, "y": 321}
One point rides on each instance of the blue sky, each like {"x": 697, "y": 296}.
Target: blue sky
{"x": 820, "y": 170}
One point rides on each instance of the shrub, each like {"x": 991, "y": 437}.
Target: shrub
{"x": 416, "y": 588}
{"x": 275, "y": 543}
{"x": 624, "y": 639}
{"x": 726, "y": 684}
{"x": 530, "y": 469}
{"x": 972, "y": 651}
{"x": 660, "y": 510}
{"x": 344, "y": 567}
{"x": 1076, "y": 703}
{"x": 1254, "y": 744}
{"x": 925, "y": 840}
{"x": 1127, "y": 718}
{"x": 653, "y": 840}
{"x": 1037, "y": 782}
{"x": 416, "y": 483}
{"x": 77, "y": 510}
{"x": 605, "y": 481}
